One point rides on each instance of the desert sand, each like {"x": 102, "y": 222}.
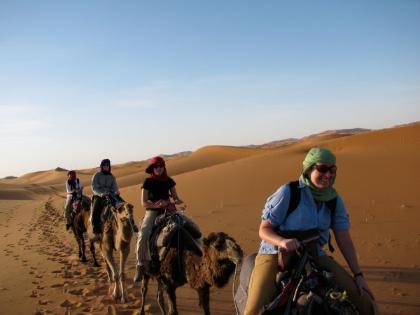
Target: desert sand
{"x": 225, "y": 189}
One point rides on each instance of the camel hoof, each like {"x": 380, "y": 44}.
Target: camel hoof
{"x": 95, "y": 264}
{"x": 83, "y": 260}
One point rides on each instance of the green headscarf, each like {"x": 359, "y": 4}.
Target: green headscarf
{"x": 319, "y": 155}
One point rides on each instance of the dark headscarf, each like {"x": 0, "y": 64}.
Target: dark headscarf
{"x": 103, "y": 163}
{"x": 72, "y": 180}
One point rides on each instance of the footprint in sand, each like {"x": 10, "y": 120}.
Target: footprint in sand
{"x": 67, "y": 303}
{"x": 76, "y": 291}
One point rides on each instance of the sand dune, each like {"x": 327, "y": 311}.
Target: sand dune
{"x": 225, "y": 189}
{"x": 10, "y": 192}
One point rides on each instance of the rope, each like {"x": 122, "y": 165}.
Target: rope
{"x": 131, "y": 225}
{"x": 233, "y": 289}
{"x": 178, "y": 245}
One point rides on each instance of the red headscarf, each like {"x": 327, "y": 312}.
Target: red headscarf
{"x": 157, "y": 160}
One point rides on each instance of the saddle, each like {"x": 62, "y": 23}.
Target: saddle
{"x": 171, "y": 230}
{"x": 318, "y": 291}
{"x": 79, "y": 203}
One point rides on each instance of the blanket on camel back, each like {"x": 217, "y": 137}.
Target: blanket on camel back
{"x": 173, "y": 230}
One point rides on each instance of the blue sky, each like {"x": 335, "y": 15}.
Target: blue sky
{"x": 85, "y": 80}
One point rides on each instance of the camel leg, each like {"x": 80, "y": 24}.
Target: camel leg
{"x": 124, "y": 251}
{"x": 112, "y": 272}
{"x": 77, "y": 237}
{"x": 82, "y": 248}
{"x": 204, "y": 298}
{"x": 143, "y": 291}
{"x": 108, "y": 273}
{"x": 160, "y": 298}
{"x": 92, "y": 251}
{"x": 170, "y": 291}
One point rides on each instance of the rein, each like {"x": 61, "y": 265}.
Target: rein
{"x": 233, "y": 289}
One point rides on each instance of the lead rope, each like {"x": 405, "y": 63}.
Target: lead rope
{"x": 178, "y": 245}
{"x": 131, "y": 219}
{"x": 233, "y": 289}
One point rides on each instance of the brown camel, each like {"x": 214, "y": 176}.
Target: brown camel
{"x": 220, "y": 256}
{"x": 118, "y": 230}
{"x": 80, "y": 223}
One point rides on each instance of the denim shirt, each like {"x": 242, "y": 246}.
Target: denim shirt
{"x": 306, "y": 216}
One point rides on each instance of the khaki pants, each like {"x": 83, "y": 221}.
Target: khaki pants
{"x": 262, "y": 286}
{"x": 143, "y": 250}
{"x": 68, "y": 209}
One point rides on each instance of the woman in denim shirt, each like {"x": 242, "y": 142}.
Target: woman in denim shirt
{"x": 316, "y": 188}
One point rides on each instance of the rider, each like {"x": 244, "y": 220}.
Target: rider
{"x": 104, "y": 185}
{"x": 316, "y": 188}
{"x": 74, "y": 190}
{"x": 156, "y": 190}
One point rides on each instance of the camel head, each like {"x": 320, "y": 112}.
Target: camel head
{"x": 124, "y": 213}
{"x": 225, "y": 247}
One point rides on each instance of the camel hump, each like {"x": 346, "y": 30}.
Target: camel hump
{"x": 173, "y": 230}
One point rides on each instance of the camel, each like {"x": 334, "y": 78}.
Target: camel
{"x": 220, "y": 256}
{"x": 118, "y": 230}
{"x": 80, "y": 224}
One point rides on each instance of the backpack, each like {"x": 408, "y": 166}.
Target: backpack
{"x": 241, "y": 294}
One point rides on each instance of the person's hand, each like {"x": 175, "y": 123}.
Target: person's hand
{"x": 104, "y": 194}
{"x": 289, "y": 244}
{"x": 363, "y": 286}
{"x": 161, "y": 203}
{"x": 178, "y": 201}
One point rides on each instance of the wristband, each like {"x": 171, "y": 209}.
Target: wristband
{"x": 359, "y": 274}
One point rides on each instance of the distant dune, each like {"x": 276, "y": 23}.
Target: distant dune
{"x": 225, "y": 188}
{"x": 10, "y": 177}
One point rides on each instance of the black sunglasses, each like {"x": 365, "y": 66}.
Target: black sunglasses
{"x": 322, "y": 168}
